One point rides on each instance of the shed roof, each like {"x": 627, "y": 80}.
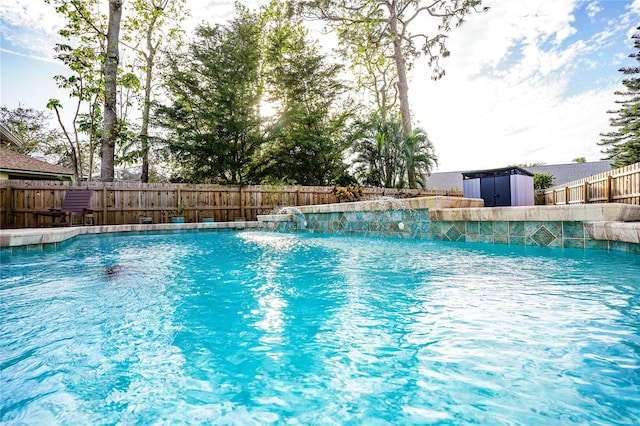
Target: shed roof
{"x": 514, "y": 170}
{"x": 11, "y": 161}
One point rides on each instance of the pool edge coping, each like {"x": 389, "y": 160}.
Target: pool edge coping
{"x": 10, "y": 238}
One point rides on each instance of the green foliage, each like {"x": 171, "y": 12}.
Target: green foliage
{"x": 154, "y": 24}
{"x": 386, "y": 157}
{"x": 419, "y": 158}
{"x": 377, "y": 150}
{"x": 373, "y": 66}
{"x": 179, "y": 210}
{"x": 84, "y": 54}
{"x": 623, "y": 144}
{"x": 306, "y": 141}
{"x": 212, "y": 117}
{"x": 542, "y": 181}
{"x": 220, "y": 87}
{"x": 32, "y": 128}
{"x": 149, "y": 25}
{"x": 378, "y": 33}
{"x": 579, "y": 160}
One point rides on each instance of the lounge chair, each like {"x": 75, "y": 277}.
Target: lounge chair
{"x": 74, "y": 203}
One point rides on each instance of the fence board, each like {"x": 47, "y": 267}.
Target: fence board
{"x": 620, "y": 185}
{"x": 125, "y": 202}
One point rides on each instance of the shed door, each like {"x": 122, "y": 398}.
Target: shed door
{"x": 503, "y": 190}
{"x": 496, "y": 191}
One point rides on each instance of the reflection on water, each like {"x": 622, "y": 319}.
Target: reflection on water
{"x": 256, "y": 328}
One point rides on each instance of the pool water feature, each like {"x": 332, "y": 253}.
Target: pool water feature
{"x": 267, "y": 328}
{"x": 297, "y": 217}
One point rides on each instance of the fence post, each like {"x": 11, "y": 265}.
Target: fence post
{"x": 104, "y": 204}
{"x": 242, "y": 203}
{"x": 299, "y": 199}
{"x": 608, "y": 189}
{"x": 566, "y": 195}
{"x": 10, "y": 207}
{"x": 586, "y": 192}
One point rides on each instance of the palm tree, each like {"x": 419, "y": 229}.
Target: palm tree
{"x": 378, "y": 152}
{"x": 419, "y": 157}
{"x": 386, "y": 157}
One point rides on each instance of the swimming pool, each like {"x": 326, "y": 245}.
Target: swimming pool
{"x": 267, "y": 328}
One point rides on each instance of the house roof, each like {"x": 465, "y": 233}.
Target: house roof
{"x": 565, "y": 173}
{"x": 562, "y": 173}
{"x": 7, "y": 138}
{"x": 11, "y": 161}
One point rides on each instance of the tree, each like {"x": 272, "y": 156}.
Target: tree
{"x": 145, "y": 33}
{"x": 623, "y": 144}
{"x": 579, "y": 160}
{"x": 212, "y": 115}
{"x": 306, "y": 142}
{"x": 419, "y": 158}
{"x": 84, "y": 28}
{"x": 374, "y": 71}
{"x": 387, "y": 157}
{"x": 110, "y": 127}
{"x": 389, "y": 23}
{"x": 378, "y": 151}
{"x": 542, "y": 181}
{"x": 93, "y": 61}
{"x": 84, "y": 85}
{"x": 31, "y": 127}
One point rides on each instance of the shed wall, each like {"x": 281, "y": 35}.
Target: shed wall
{"x": 522, "y": 193}
{"x": 471, "y": 188}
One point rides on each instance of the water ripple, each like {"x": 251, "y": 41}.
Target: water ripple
{"x": 257, "y": 328}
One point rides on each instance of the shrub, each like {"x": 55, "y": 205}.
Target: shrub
{"x": 542, "y": 180}
{"x": 349, "y": 193}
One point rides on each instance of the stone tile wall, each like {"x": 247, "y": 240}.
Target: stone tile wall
{"x": 521, "y": 226}
{"x": 396, "y": 223}
{"x": 567, "y": 234}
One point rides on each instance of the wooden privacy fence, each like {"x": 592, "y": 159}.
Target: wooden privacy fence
{"x": 125, "y": 203}
{"x": 617, "y": 186}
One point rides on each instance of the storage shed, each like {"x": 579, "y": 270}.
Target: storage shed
{"x": 508, "y": 186}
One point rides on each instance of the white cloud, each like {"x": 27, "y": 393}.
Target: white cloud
{"x": 503, "y": 100}
{"x": 489, "y": 124}
{"x": 593, "y": 9}
{"x": 35, "y": 15}
{"x": 507, "y": 28}
{"x": 216, "y": 11}
{"x": 30, "y": 27}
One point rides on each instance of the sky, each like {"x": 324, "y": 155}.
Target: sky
{"x": 529, "y": 81}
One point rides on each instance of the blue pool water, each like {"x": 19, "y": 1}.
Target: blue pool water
{"x": 267, "y": 328}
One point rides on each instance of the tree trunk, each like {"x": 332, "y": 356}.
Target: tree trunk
{"x": 144, "y": 131}
{"x": 92, "y": 137}
{"x": 411, "y": 176}
{"x": 401, "y": 65}
{"x": 403, "y": 90}
{"x": 109, "y": 134}
{"x": 74, "y": 157}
